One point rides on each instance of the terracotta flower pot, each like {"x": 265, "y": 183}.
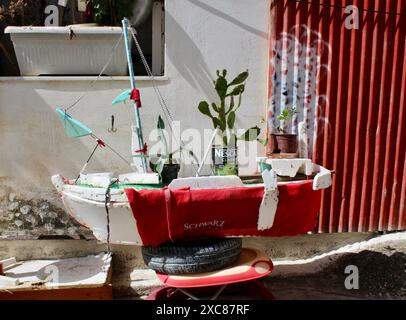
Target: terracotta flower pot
{"x": 284, "y": 143}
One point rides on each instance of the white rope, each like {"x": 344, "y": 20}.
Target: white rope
{"x": 207, "y": 151}
{"x": 151, "y": 76}
{"x": 112, "y": 149}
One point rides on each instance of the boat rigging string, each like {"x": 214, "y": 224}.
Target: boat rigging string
{"x": 166, "y": 111}
{"x": 87, "y": 91}
{"x": 102, "y": 144}
{"x": 99, "y": 76}
{"x": 112, "y": 149}
{"x": 161, "y": 100}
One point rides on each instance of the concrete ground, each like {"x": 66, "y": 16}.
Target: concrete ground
{"x": 381, "y": 264}
{"x": 306, "y": 267}
{"x": 380, "y": 261}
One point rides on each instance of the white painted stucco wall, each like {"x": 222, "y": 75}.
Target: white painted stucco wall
{"x": 201, "y": 36}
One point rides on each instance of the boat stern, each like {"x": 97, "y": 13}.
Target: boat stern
{"x": 58, "y": 181}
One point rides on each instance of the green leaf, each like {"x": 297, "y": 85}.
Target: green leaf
{"x": 215, "y": 108}
{"x": 231, "y": 120}
{"x": 239, "y": 101}
{"x": 251, "y": 134}
{"x": 225, "y": 142}
{"x": 223, "y": 125}
{"x": 204, "y": 108}
{"x": 161, "y": 123}
{"x": 286, "y": 114}
{"x": 231, "y": 105}
{"x": 161, "y": 134}
{"x": 264, "y": 142}
{"x": 231, "y": 102}
{"x": 237, "y": 90}
{"x": 218, "y": 123}
{"x": 221, "y": 87}
{"x": 152, "y": 166}
{"x": 224, "y": 73}
{"x": 240, "y": 78}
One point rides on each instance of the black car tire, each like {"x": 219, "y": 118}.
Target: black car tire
{"x": 192, "y": 257}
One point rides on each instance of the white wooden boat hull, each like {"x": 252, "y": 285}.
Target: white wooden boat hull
{"x": 93, "y": 215}
{"x": 86, "y": 204}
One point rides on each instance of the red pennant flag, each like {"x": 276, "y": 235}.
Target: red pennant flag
{"x": 101, "y": 143}
{"x": 135, "y": 95}
{"x": 143, "y": 150}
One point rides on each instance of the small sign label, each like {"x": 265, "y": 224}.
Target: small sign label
{"x": 62, "y": 3}
{"x": 225, "y": 161}
{"x": 82, "y": 5}
{"x": 225, "y": 155}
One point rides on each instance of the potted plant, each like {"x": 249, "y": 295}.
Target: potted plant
{"x": 283, "y": 142}
{"x": 78, "y": 49}
{"x": 111, "y": 12}
{"x": 21, "y": 12}
{"x": 164, "y": 163}
{"x": 223, "y": 116}
{"x": 16, "y": 12}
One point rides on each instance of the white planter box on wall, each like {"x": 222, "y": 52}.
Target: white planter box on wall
{"x": 74, "y": 50}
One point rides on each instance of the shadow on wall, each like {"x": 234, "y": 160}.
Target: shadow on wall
{"x": 191, "y": 65}
{"x": 36, "y": 144}
{"x": 34, "y": 147}
{"x": 228, "y": 18}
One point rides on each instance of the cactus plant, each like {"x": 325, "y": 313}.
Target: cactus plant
{"x": 223, "y": 114}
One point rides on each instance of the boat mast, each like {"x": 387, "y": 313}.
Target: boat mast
{"x": 138, "y": 126}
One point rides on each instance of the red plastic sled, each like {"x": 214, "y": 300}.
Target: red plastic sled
{"x": 251, "y": 265}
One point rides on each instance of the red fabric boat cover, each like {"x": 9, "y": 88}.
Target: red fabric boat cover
{"x": 184, "y": 214}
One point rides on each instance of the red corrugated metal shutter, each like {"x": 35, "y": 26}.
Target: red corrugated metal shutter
{"x": 358, "y": 111}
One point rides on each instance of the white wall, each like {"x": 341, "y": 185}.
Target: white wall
{"x": 201, "y": 36}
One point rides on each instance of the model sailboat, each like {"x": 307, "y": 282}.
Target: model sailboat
{"x": 136, "y": 209}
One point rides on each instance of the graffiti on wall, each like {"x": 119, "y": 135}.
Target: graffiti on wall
{"x": 296, "y": 71}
